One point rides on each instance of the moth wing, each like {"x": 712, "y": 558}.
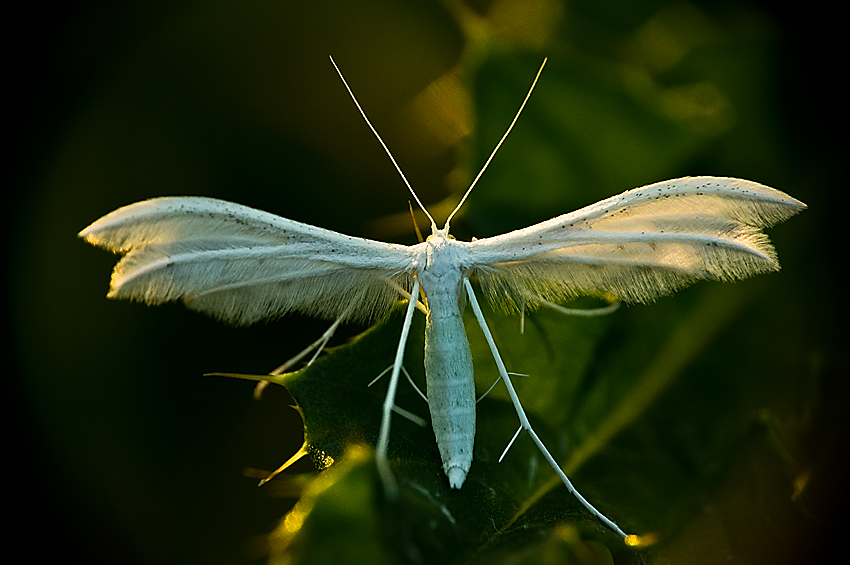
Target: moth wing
{"x": 243, "y": 265}
{"x": 638, "y": 245}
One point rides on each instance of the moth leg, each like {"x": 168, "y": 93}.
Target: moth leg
{"x": 318, "y": 345}
{"x": 409, "y": 379}
{"x": 492, "y": 386}
{"x": 381, "y": 374}
{"x": 613, "y": 307}
{"x": 414, "y": 385}
{"x": 418, "y": 420}
{"x": 524, "y": 423}
{"x": 588, "y": 312}
{"x": 510, "y": 443}
{"x": 390, "y": 486}
{"x": 398, "y": 409}
{"x": 406, "y": 295}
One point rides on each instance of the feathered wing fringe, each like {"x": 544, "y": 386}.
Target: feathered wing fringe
{"x": 639, "y": 245}
{"x": 242, "y": 265}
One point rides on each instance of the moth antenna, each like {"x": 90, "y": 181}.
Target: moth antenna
{"x": 384, "y": 145}
{"x": 501, "y": 141}
{"x": 415, "y": 225}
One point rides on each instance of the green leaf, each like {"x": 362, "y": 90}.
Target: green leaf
{"x": 429, "y": 518}
{"x": 579, "y": 406}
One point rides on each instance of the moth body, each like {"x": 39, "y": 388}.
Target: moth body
{"x": 448, "y": 360}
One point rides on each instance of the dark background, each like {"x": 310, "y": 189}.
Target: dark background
{"x": 114, "y": 466}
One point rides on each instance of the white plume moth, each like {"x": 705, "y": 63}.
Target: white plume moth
{"x": 243, "y": 265}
